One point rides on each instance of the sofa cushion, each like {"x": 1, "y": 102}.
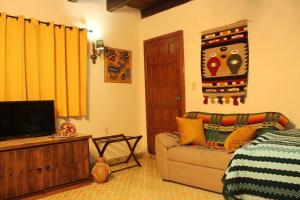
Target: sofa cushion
{"x": 218, "y": 126}
{"x": 238, "y": 138}
{"x": 191, "y": 131}
{"x": 201, "y": 156}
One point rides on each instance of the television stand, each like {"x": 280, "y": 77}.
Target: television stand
{"x": 37, "y": 164}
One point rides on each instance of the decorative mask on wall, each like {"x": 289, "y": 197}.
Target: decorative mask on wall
{"x": 117, "y": 65}
{"x": 224, "y": 63}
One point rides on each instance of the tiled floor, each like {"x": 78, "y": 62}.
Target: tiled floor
{"x": 138, "y": 183}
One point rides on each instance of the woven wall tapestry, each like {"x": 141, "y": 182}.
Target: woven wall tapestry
{"x": 224, "y": 63}
{"x": 117, "y": 65}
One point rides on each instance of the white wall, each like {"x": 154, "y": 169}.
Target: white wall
{"x": 274, "y": 69}
{"x": 112, "y": 107}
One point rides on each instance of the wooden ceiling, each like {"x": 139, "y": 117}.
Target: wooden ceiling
{"x": 146, "y": 7}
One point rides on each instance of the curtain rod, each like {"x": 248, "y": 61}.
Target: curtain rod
{"x": 47, "y": 23}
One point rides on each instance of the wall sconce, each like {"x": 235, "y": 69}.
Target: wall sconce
{"x": 97, "y": 50}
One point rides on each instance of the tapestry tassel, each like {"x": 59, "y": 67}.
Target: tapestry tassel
{"x": 242, "y": 99}
{"x": 220, "y": 100}
{"x": 227, "y": 100}
{"x": 212, "y": 100}
{"x": 205, "y": 100}
{"x": 235, "y": 100}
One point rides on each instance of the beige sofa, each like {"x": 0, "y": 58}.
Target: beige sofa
{"x": 200, "y": 166}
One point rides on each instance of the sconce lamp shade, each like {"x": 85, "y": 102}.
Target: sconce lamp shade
{"x": 97, "y": 50}
{"x": 100, "y": 45}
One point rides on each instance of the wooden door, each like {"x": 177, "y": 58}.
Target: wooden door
{"x": 164, "y": 77}
{"x": 34, "y": 169}
{"x": 62, "y": 174}
{"x": 30, "y": 168}
{"x": 71, "y": 175}
{"x": 23, "y": 172}
{"x": 86, "y": 159}
{"x": 55, "y": 165}
{"x": 78, "y": 153}
{"x": 81, "y": 161}
{"x": 39, "y": 168}
{"x": 66, "y": 171}
{"x": 50, "y": 165}
{"x": 2, "y": 176}
{"x": 78, "y": 160}
{"x": 10, "y": 174}
{"x": 20, "y": 167}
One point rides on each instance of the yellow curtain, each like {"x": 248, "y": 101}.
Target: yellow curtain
{"x": 31, "y": 59}
{"x": 61, "y": 75}
{"x": 15, "y": 87}
{"x": 2, "y": 55}
{"x": 72, "y": 55}
{"x": 82, "y": 69}
{"x": 41, "y": 61}
{"x": 46, "y": 61}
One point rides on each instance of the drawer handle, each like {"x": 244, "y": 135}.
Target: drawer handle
{"x": 47, "y": 168}
{"x": 39, "y": 170}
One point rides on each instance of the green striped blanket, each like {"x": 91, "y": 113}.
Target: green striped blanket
{"x": 267, "y": 168}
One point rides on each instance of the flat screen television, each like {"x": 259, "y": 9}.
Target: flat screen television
{"x": 26, "y": 119}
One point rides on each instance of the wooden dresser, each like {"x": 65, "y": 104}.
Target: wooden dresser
{"x": 36, "y": 164}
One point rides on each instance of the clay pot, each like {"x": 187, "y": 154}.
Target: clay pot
{"x": 101, "y": 170}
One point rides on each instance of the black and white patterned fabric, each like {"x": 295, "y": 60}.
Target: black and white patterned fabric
{"x": 267, "y": 168}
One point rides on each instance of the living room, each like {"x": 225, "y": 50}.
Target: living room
{"x": 114, "y": 108}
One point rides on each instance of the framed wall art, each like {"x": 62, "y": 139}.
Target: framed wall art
{"x": 117, "y": 65}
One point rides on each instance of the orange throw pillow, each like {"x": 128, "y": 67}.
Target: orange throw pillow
{"x": 238, "y": 138}
{"x": 191, "y": 131}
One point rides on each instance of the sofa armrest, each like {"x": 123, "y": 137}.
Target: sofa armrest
{"x": 163, "y": 142}
{"x": 168, "y": 140}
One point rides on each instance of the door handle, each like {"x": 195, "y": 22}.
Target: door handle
{"x": 178, "y": 98}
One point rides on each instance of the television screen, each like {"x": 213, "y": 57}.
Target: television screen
{"x": 26, "y": 118}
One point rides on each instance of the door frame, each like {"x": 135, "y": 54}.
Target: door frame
{"x": 179, "y": 34}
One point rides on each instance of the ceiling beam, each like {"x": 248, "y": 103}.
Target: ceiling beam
{"x": 161, "y": 6}
{"x": 112, "y": 5}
